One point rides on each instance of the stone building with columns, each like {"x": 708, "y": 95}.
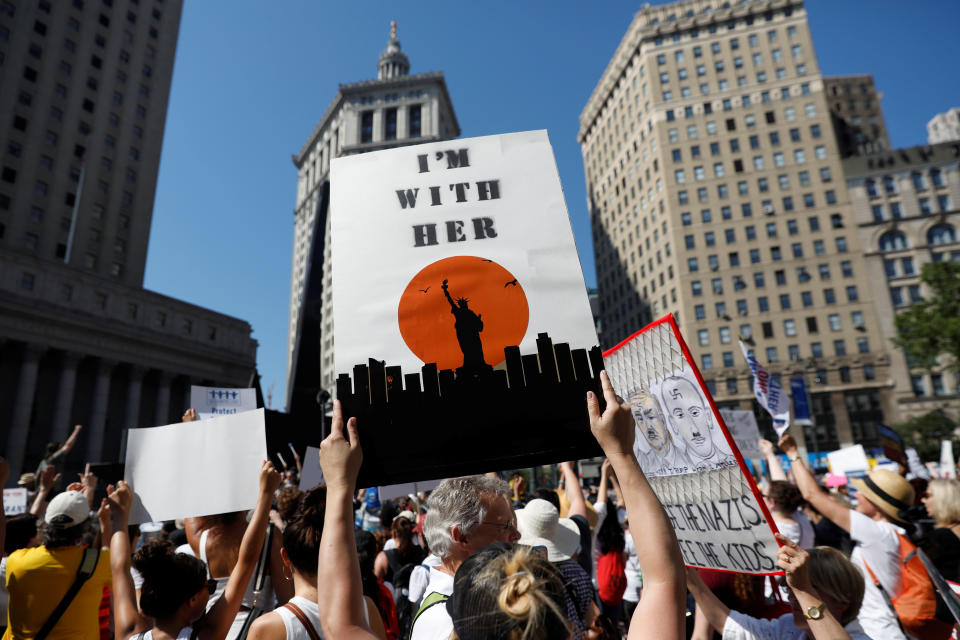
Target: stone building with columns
{"x": 82, "y": 113}
{"x": 396, "y": 109}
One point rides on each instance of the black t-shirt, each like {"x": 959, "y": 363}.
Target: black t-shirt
{"x": 586, "y": 544}
{"x": 943, "y": 547}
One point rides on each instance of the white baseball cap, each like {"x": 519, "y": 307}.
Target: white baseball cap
{"x": 68, "y": 509}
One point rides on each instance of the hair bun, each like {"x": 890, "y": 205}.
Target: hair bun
{"x": 515, "y": 597}
{"x": 153, "y": 557}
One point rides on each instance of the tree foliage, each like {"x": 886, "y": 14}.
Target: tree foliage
{"x": 931, "y": 328}
{"x": 925, "y": 432}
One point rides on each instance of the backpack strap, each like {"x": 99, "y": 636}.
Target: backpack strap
{"x": 433, "y": 598}
{"x": 88, "y": 564}
{"x": 886, "y": 596}
{"x": 302, "y": 617}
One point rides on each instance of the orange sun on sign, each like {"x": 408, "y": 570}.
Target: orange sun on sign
{"x": 462, "y": 309}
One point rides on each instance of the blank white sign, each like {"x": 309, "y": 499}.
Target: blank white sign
{"x": 197, "y": 468}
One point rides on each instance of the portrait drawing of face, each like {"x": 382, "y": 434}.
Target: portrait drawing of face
{"x": 650, "y": 420}
{"x": 688, "y": 414}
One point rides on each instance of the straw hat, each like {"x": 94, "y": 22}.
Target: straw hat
{"x": 540, "y": 525}
{"x": 888, "y": 491}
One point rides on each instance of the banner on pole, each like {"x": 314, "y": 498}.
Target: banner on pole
{"x": 689, "y": 456}
{"x": 801, "y": 407}
{"x": 768, "y": 392}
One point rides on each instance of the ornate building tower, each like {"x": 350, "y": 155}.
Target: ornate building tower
{"x": 396, "y": 109}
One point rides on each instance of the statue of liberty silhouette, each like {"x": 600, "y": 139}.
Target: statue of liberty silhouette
{"x": 468, "y": 325}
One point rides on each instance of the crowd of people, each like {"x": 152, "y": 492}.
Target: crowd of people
{"x": 480, "y": 557}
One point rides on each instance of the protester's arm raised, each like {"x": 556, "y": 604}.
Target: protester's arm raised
{"x": 339, "y": 589}
{"x": 573, "y": 490}
{"x": 708, "y": 604}
{"x": 794, "y": 561}
{"x": 221, "y": 615}
{"x": 660, "y": 613}
{"x": 114, "y": 514}
{"x": 72, "y": 440}
{"x": 773, "y": 462}
{"x": 822, "y": 502}
{"x": 48, "y": 479}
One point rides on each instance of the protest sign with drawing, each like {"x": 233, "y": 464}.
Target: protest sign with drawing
{"x": 688, "y": 454}
{"x": 211, "y": 402}
{"x": 14, "y": 501}
{"x": 181, "y": 471}
{"x": 471, "y": 328}
{"x": 743, "y": 427}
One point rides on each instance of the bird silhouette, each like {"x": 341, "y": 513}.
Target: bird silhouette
{"x": 425, "y": 290}
{"x": 512, "y": 282}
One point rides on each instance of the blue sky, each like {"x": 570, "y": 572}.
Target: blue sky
{"x": 250, "y": 84}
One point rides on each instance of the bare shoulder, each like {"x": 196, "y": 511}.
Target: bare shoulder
{"x": 268, "y": 627}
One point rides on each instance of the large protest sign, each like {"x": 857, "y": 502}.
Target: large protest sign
{"x": 743, "y": 427}
{"x": 195, "y": 468}
{"x": 14, "y": 501}
{"x": 688, "y": 454}
{"x": 211, "y": 402}
{"x": 463, "y": 332}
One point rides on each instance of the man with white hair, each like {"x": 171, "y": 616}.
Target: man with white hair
{"x": 464, "y": 516}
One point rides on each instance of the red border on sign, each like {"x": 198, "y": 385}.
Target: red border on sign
{"x": 669, "y": 319}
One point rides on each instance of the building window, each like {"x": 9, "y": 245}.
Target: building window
{"x": 390, "y": 124}
{"x": 366, "y": 126}
{"x": 414, "y": 125}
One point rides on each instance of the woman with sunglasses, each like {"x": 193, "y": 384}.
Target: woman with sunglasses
{"x": 175, "y": 585}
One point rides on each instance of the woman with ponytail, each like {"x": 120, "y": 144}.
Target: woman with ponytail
{"x": 175, "y": 587}
{"x": 299, "y": 618}
{"x": 504, "y": 591}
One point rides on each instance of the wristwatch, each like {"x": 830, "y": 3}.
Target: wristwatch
{"x": 814, "y": 612}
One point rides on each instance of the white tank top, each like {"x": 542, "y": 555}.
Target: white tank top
{"x": 295, "y": 628}
{"x": 266, "y": 601}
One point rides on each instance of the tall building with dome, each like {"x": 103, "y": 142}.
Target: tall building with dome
{"x": 396, "y": 109}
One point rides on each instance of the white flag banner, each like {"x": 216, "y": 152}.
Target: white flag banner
{"x": 196, "y": 468}
{"x": 769, "y": 393}
{"x": 211, "y": 402}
